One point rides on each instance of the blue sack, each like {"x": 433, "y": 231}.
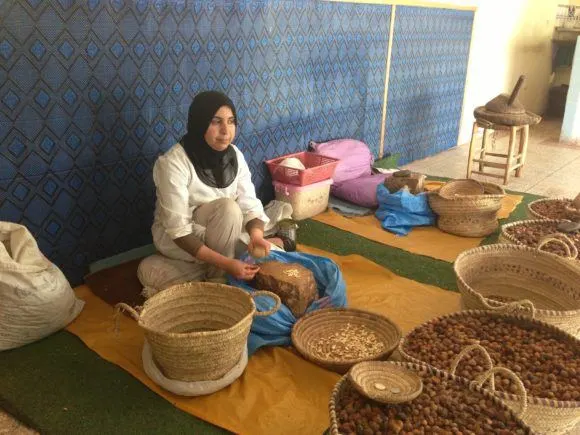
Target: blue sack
{"x": 275, "y": 330}
{"x": 399, "y": 212}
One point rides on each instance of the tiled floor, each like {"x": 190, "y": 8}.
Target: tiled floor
{"x": 551, "y": 169}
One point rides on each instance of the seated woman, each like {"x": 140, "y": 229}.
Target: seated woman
{"x": 205, "y": 199}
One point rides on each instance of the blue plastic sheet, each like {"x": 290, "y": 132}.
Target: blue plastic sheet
{"x": 399, "y": 212}
{"x": 275, "y": 330}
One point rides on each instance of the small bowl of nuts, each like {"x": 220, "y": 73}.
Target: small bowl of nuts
{"x": 338, "y": 338}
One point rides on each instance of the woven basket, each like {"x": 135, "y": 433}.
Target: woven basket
{"x": 544, "y": 285}
{"x": 423, "y": 369}
{"x": 460, "y": 204}
{"x": 385, "y": 382}
{"x": 544, "y": 416}
{"x": 323, "y": 323}
{"x": 467, "y": 215}
{"x": 463, "y": 187}
{"x": 197, "y": 331}
{"x": 535, "y": 215}
{"x": 570, "y": 247}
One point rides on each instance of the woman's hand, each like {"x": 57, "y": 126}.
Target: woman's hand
{"x": 240, "y": 270}
{"x": 258, "y": 246}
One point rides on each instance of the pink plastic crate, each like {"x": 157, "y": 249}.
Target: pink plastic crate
{"x": 318, "y": 168}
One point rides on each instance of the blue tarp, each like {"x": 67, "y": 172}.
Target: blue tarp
{"x": 275, "y": 330}
{"x": 399, "y": 212}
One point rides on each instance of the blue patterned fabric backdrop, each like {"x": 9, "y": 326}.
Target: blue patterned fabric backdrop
{"x": 427, "y": 80}
{"x": 92, "y": 91}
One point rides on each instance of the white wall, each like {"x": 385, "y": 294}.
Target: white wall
{"x": 510, "y": 38}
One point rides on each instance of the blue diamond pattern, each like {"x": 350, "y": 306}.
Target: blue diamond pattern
{"x": 16, "y": 147}
{"x": 53, "y": 227}
{"x": 6, "y": 49}
{"x": 73, "y": 142}
{"x": 38, "y": 50}
{"x": 118, "y": 93}
{"x": 117, "y": 49}
{"x": 94, "y": 95}
{"x": 20, "y": 192}
{"x": 92, "y": 50}
{"x": 69, "y": 96}
{"x": 11, "y": 100}
{"x": 42, "y": 98}
{"x": 50, "y": 187}
{"x": 47, "y": 144}
{"x": 122, "y": 73}
{"x": 66, "y": 49}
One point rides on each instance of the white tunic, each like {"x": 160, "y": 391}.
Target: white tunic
{"x": 180, "y": 191}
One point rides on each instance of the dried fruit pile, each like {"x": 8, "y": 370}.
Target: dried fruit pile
{"x": 531, "y": 234}
{"x": 552, "y": 209}
{"x": 348, "y": 342}
{"x": 442, "y": 407}
{"x": 548, "y": 366}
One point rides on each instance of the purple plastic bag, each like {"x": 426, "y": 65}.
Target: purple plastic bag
{"x": 355, "y": 157}
{"x": 361, "y": 191}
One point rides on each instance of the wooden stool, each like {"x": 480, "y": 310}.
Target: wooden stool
{"x": 513, "y": 161}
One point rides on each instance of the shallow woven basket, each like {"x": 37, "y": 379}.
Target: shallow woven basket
{"x": 545, "y": 285}
{"x": 535, "y": 215}
{"x": 324, "y": 322}
{"x": 197, "y": 331}
{"x": 505, "y": 237}
{"x": 544, "y": 416}
{"x": 424, "y": 369}
{"x": 385, "y": 382}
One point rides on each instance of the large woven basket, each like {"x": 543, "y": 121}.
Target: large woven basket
{"x": 571, "y": 248}
{"x": 197, "y": 331}
{"x": 462, "y": 211}
{"x": 542, "y": 285}
{"x": 424, "y": 370}
{"x": 535, "y": 215}
{"x": 323, "y": 323}
{"x": 544, "y": 416}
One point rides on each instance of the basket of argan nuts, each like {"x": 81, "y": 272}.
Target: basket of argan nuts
{"x": 338, "y": 338}
{"x": 543, "y": 234}
{"x": 545, "y": 358}
{"x": 509, "y": 278}
{"x": 446, "y": 404}
{"x": 550, "y": 208}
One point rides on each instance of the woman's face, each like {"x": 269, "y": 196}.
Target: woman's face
{"x": 221, "y": 130}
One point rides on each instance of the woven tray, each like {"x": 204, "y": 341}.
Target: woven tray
{"x": 535, "y": 215}
{"x": 545, "y": 286}
{"x": 423, "y": 369}
{"x": 385, "y": 382}
{"x": 320, "y": 325}
{"x": 544, "y": 416}
{"x": 198, "y": 330}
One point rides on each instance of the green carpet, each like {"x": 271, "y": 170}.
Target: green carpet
{"x": 59, "y": 386}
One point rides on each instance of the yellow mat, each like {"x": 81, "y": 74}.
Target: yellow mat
{"x": 279, "y": 392}
{"x": 428, "y": 241}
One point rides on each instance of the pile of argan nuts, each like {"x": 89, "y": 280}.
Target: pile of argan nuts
{"x": 552, "y": 209}
{"x": 548, "y": 365}
{"x": 532, "y": 234}
{"x": 348, "y": 342}
{"x": 443, "y": 407}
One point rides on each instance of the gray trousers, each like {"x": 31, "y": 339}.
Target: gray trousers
{"x": 222, "y": 221}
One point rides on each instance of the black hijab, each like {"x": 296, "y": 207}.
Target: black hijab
{"x": 214, "y": 168}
